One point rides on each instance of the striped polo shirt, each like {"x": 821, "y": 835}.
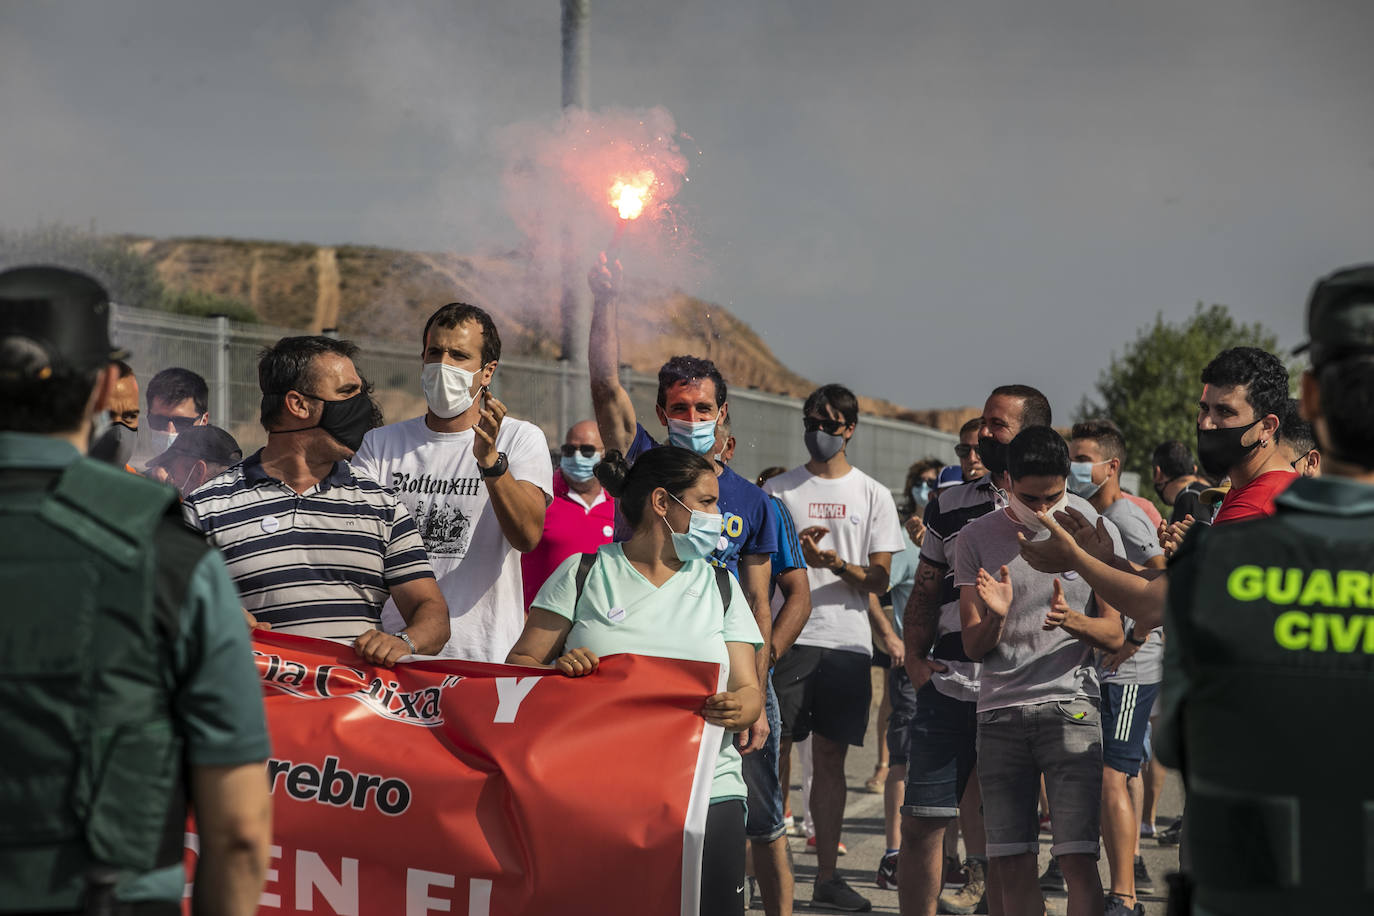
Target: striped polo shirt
{"x": 319, "y": 563}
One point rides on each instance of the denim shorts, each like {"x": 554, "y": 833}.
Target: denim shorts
{"x": 1016, "y": 744}
{"x": 764, "y": 821}
{"x": 1125, "y": 719}
{"x": 903, "y": 699}
{"x": 942, "y": 753}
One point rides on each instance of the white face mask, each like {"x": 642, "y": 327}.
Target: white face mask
{"x": 1026, "y": 516}
{"x": 448, "y": 389}
{"x": 161, "y": 441}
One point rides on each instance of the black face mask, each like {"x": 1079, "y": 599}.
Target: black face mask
{"x": 993, "y": 455}
{"x": 1159, "y": 490}
{"x": 348, "y": 420}
{"x": 1219, "y": 450}
{"x": 114, "y": 446}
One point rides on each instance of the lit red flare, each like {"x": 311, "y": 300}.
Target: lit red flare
{"x": 630, "y": 196}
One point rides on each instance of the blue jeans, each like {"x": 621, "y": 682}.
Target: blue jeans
{"x": 763, "y": 821}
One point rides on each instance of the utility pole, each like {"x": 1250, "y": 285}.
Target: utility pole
{"x": 576, "y": 305}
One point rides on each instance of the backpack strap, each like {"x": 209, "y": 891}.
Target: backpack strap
{"x": 584, "y": 568}
{"x": 723, "y": 583}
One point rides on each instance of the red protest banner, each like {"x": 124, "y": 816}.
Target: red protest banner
{"x": 483, "y": 790}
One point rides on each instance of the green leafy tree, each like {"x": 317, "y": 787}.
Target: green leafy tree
{"x": 1151, "y": 390}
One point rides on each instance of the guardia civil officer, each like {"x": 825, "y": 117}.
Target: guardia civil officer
{"x": 127, "y": 687}
{"x": 1269, "y": 665}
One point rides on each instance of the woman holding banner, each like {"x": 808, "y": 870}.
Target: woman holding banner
{"x": 655, "y": 594}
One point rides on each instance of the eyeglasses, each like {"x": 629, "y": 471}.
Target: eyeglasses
{"x": 963, "y": 451}
{"x": 159, "y": 421}
{"x": 587, "y": 450}
{"x": 830, "y": 427}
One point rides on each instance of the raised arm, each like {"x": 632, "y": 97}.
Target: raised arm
{"x": 1139, "y": 594}
{"x": 615, "y": 414}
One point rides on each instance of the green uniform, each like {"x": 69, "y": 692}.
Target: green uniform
{"x": 1269, "y": 677}
{"x": 124, "y": 660}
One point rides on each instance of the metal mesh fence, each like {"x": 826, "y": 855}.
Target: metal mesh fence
{"x": 767, "y": 427}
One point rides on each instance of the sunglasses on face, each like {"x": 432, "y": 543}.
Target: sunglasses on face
{"x": 586, "y": 450}
{"x": 180, "y": 424}
{"x": 963, "y": 451}
{"x": 830, "y": 427}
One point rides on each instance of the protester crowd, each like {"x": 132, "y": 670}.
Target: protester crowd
{"x": 1016, "y": 599}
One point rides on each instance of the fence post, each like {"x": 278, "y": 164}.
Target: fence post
{"x": 564, "y": 396}
{"x": 221, "y": 405}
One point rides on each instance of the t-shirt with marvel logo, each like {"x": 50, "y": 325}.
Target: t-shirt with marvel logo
{"x": 749, "y": 524}
{"x": 436, "y": 476}
{"x": 862, "y": 519}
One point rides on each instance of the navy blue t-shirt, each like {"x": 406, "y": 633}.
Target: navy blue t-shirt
{"x": 749, "y": 523}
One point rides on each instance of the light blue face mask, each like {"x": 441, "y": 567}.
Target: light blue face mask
{"x": 1081, "y": 479}
{"x": 702, "y": 535}
{"x": 920, "y": 494}
{"x": 579, "y": 467}
{"x": 699, "y": 436}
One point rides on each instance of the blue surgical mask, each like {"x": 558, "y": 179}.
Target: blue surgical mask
{"x": 920, "y": 494}
{"x": 578, "y": 467}
{"x": 1081, "y": 479}
{"x": 699, "y": 436}
{"x": 702, "y": 535}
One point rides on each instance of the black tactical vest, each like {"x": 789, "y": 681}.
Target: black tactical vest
{"x": 1275, "y": 634}
{"x": 93, "y": 772}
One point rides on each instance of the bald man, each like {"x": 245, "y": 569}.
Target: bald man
{"x": 582, "y": 515}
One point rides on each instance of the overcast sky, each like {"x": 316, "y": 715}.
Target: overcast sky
{"x": 921, "y": 200}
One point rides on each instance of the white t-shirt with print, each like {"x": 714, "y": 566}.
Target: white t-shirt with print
{"x": 862, "y": 519}
{"x": 437, "y": 477}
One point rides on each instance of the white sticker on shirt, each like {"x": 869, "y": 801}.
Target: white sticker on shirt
{"x": 617, "y": 614}
{"x": 607, "y": 531}
{"x": 270, "y": 524}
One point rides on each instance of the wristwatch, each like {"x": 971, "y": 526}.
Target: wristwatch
{"x": 405, "y": 638}
{"x": 1135, "y": 642}
{"x": 498, "y": 467}
{"x": 840, "y": 571}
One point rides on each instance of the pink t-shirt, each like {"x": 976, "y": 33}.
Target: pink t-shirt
{"x": 569, "y": 527}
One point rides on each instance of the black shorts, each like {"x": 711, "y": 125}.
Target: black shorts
{"x": 826, "y": 691}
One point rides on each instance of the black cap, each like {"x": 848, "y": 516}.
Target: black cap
{"x": 201, "y": 443}
{"x": 1340, "y": 315}
{"x": 63, "y": 315}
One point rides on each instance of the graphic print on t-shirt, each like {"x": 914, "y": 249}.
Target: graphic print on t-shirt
{"x": 445, "y": 528}
{"x": 826, "y": 510}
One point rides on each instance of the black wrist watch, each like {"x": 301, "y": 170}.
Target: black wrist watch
{"x": 498, "y": 467}
{"x": 1135, "y": 642}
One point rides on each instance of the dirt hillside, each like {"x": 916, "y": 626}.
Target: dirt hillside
{"x": 388, "y": 293}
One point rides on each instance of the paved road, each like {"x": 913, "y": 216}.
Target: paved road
{"x": 863, "y": 835}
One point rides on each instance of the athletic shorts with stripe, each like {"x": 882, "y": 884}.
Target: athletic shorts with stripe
{"x": 1125, "y": 714}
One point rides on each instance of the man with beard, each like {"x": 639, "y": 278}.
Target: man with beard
{"x": 941, "y": 778}
{"x": 314, "y": 549}
{"x": 1244, "y": 392}
{"x": 477, "y": 483}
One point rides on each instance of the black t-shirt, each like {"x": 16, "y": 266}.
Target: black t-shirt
{"x": 1189, "y": 502}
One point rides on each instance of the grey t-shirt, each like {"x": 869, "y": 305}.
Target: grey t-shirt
{"x": 1141, "y": 542}
{"x": 1030, "y": 664}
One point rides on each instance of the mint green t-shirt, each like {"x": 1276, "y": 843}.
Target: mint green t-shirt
{"x": 621, "y": 611}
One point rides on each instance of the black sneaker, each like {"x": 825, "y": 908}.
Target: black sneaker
{"x": 1116, "y": 906}
{"x": 838, "y": 895}
{"x": 1144, "y": 884}
{"x": 1169, "y": 835}
{"x": 1052, "y": 879}
{"x": 887, "y": 872}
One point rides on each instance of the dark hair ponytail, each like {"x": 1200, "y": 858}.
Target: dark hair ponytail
{"x": 672, "y": 468}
